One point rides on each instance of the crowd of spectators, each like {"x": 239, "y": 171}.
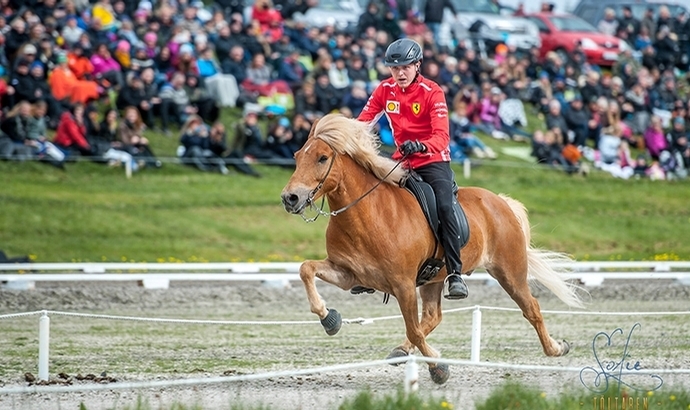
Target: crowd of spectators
{"x": 88, "y": 78}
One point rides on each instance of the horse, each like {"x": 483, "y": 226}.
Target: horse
{"x": 378, "y": 237}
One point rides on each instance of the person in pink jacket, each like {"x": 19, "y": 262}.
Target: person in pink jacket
{"x": 105, "y": 67}
{"x": 654, "y": 138}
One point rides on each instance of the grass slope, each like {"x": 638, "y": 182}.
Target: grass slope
{"x": 92, "y": 213}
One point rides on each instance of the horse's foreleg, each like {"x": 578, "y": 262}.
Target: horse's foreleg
{"x": 431, "y": 316}
{"x": 328, "y": 272}
{"x": 407, "y": 300}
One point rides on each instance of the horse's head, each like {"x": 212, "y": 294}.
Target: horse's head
{"x": 314, "y": 173}
{"x": 322, "y": 162}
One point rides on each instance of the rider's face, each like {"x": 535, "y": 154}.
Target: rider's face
{"x": 404, "y": 74}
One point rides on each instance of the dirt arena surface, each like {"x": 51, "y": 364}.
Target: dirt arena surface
{"x": 131, "y": 351}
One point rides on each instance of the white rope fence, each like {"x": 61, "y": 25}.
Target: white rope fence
{"x": 44, "y": 341}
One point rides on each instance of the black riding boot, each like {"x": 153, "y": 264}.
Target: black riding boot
{"x": 451, "y": 241}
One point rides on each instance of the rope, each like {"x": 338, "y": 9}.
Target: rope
{"x": 353, "y": 321}
{"x": 302, "y": 372}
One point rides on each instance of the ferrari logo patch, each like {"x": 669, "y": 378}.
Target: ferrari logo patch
{"x": 416, "y": 107}
{"x": 393, "y": 107}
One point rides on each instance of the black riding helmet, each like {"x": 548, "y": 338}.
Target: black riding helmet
{"x": 402, "y": 52}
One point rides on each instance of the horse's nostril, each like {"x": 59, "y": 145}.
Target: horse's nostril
{"x": 290, "y": 199}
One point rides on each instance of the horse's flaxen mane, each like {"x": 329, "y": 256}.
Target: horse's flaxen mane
{"x": 354, "y": 138}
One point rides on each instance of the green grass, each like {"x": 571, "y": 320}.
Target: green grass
{"x": 92, "y": 213}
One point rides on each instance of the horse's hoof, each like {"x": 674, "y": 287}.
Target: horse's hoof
{"x": 395, "y": 353}
{"x": 566, "y": 347}
{"x": 332, "y": 322}
{"x": 439, "y": 373}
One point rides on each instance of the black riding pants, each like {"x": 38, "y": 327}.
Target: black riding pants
{"x": 441, "y": 178}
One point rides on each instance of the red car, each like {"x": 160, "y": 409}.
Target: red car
{"x": 561, "y": 32}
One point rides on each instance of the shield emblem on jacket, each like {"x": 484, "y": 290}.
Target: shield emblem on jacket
{"x": 416, "y": 107}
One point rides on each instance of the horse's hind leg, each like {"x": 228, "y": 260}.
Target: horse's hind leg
{"x": 431, "y": 316}
{"x": 328, "y": 272}
{"x": 517, "y": 287}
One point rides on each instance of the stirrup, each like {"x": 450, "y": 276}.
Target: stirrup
{"x": 461, "y": 293}
{"x": 358, "y": 290}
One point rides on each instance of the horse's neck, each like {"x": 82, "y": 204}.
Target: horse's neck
{"x": 354, "y": 184}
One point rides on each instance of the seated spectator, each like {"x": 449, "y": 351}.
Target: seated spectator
{"x": 185, "y": 62}
{"x": 307, "y": 103}
{"x": 218, "y": 143}
{"x": 641, "y": 168}
{"x": 72, "y": 32}
{"x": 260, "y": 78}
{"x": 235, "y": 65}
{"x": 198, "y": 146}
{"x": 357, "y": 98}
{"x": 547, "y": 148}
{"x": 678, "y": 138}
{"x": 130, "y": 133}
{"x": 249, "y": 141}
{"x": 301, "y": 127}
{"x": 70, "y": 137}
{"x": 141, "y": 61}
{"x": 123, "y": 55}
{"x": 175, "y": 103}
{"x": 490, "y": 121}
{"x": 16, "y": 126}
{"x": 126, "y": 32}
{"x": 637, "y": 107}
{"x": 79, "y": 63}
{"x": 135, "y": 94}
{"x": 105, "y": 67}
{"x": 279, "y": 138}
{"x": 357, "y": 71}
{"x": 201, "y": 99}
{"x": 655, "y": 139}
{"x": 292, "y": 71}
{"x": 38, "y": 132}
{"x": 462, "y": 139}
{"x": 65, "y": 86}
{"x": 112, "y": 150}
{"x": 642, "y": 40}
{"x": 328, "y": 97}
{"x": 164, "y": 63}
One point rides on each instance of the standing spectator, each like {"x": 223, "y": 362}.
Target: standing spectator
{"x": 433, "y": 15}
{"x": 279, "y": 138}
{"x": 609, "y": 24}
{"x": 370, "y": 18}
{"x": 648, "y": 22}
{"x": 576, "y": 118}
{"x": 70, "y": 137}
{"x": 629, "y": 23}
{"x": 666, "y": 48}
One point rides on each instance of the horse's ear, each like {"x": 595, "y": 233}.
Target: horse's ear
{"x": 313, "y": 127}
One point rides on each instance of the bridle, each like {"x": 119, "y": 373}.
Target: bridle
{"x": 319, "y": 210}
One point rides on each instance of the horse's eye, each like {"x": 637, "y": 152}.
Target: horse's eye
{"x": 323, "y": 159}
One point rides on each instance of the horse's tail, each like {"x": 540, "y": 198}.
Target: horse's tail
{"x": 545, "y": 266}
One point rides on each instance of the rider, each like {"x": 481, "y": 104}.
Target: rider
{"x": 416, "y": 109}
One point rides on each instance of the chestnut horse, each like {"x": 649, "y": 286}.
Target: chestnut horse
{"x": 378, "y": 237}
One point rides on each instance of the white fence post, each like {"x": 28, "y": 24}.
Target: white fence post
{"x": 476, "y": 334}
{"x": 411, "y": 375}
{"x": 467, "y": 168}
{"x": 43, "y": 345}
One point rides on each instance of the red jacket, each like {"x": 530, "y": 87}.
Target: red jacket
{"x": 70, "y": 133}
{"x": 418, "y": 112}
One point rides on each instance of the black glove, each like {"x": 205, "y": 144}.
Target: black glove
{"x": 408, "y": 148}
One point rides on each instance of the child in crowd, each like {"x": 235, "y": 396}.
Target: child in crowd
{"x": 462, "y": 139}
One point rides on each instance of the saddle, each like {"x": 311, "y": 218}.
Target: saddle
{"x": 427, "y": 201}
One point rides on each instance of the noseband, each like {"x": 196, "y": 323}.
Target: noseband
{"x": 319, "y": 210}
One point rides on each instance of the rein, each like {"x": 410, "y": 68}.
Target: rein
{"x": 320, "y": 211}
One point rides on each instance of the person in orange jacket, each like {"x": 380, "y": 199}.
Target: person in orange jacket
{"x": 66, "y": 86}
